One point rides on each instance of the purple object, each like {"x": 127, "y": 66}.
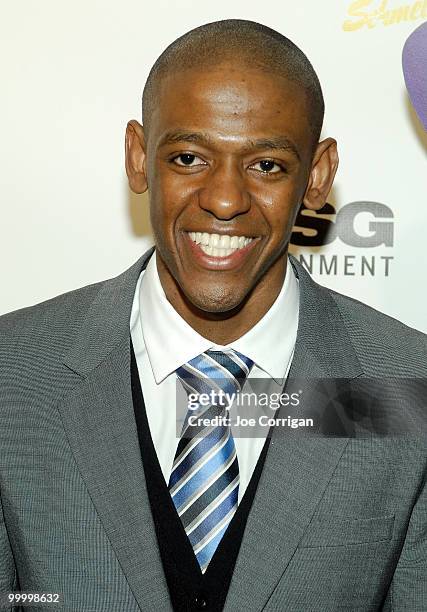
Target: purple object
{"x": 414, "y": 61}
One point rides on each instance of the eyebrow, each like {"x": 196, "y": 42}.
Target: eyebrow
{"x": 183, "y": 136}
{"x": 275, "y": 142}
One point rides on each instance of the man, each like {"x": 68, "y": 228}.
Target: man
{"x": 103, "y": 502}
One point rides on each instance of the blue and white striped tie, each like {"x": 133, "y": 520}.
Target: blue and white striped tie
{"x": 204, "y": 481}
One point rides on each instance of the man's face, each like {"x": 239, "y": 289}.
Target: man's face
{"x": 228, "y": 157}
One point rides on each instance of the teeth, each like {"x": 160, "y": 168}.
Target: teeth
{"x": 219, "y": 246}
{"x": 224, "y": 242}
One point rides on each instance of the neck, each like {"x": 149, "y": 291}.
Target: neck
{"x": 225, "y": 327}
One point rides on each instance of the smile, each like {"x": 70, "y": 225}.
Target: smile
{"x": 217, "y": 245}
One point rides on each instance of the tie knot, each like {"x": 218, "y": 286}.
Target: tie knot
{"x": 221, "y": 371}
{"x": 236, "y": 363}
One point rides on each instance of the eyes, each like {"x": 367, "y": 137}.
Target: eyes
{"x": 264, "y": 166}
{"x": 187, "y": 159}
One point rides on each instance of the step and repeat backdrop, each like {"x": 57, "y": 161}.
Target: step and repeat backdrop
{"x": 72, "y": 77}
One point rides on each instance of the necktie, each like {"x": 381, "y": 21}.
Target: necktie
{"x": 204, "y": 481}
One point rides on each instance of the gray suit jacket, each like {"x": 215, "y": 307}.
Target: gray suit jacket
{"x": 336, "y": 523}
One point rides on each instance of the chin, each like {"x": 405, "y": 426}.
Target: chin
{"x": 216, "y": 300}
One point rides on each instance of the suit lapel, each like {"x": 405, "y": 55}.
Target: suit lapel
{"x": 99, "y": 420}
{"x": 100, "y": 424}
{"x": 298, "y": 467}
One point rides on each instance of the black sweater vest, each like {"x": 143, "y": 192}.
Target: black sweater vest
{"x": 189, "y": 589}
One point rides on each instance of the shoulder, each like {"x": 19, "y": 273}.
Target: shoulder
{"x": 44, "y": 320}
{"x": 62, "y": 316}
{"x": 383, "y": 344}
{"x": 33, "y": 341}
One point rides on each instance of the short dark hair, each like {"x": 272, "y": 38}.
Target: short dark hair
{"x": 243, "y": 40}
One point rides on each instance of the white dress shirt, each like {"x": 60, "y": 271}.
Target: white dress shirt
{"x": 164, "y": 341}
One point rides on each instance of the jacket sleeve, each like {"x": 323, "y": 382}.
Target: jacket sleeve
{"x": 408, "y": 589}
{"x": 7, "y": 564}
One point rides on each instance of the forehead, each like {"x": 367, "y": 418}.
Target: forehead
{"x": 234, "y": 101}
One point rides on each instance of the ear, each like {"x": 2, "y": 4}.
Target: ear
{"x": 322, "y": 174}
{"x": 135, "y": 152}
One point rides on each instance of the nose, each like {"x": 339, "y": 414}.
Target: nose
{"x": 224, "y": 192}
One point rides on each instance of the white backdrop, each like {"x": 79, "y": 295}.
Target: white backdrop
{"x": 72, "y": 75}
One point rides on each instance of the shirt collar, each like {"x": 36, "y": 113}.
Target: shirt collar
{"x": 170, "y": 341}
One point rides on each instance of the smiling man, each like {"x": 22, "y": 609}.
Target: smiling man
{"x": 228, "y": 155}
{"x": 108, "y": 501}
